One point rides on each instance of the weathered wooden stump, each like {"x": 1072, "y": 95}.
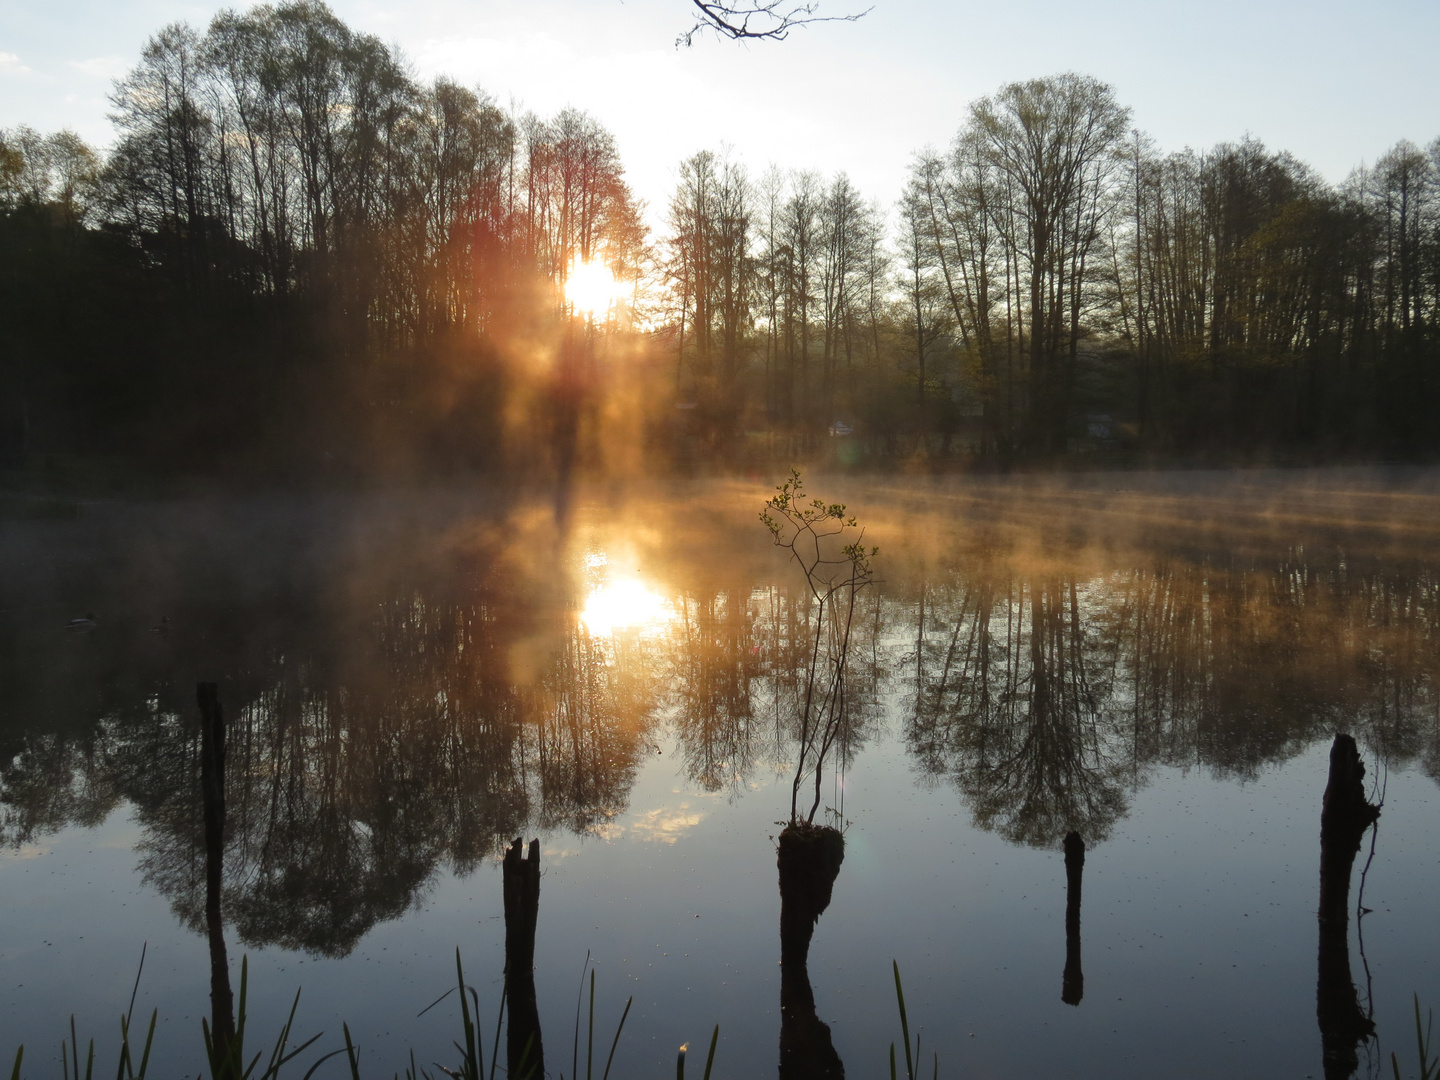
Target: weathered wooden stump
{"x": 809, "y": 860}
{"x": 1072, "y": 982}
{"x": 1344, "y": 817}
{"x": 525, "y": 1054}
{"x": 212, "y": 797}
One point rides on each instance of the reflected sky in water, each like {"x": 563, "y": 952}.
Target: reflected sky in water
{"x": 1157, "y": 663}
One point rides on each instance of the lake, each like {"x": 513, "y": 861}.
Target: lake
{"x": 1157, "y": 662}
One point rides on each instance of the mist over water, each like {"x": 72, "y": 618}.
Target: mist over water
{"x": 1155, "y": 662}
{"x": 372, "y": 603}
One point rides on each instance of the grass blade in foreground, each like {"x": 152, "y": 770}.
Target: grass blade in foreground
{"x": 910, "y": 1057}
{"x": 616, "y": 1041}
{"x": 710, "y": 1057}
{"x": 1429, "y": 1069}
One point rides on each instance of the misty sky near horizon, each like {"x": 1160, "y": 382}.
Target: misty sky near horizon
{"x": 1333, "y": 84}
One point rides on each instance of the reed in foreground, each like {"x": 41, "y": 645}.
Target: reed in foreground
{"x": 232, "y": 1064}
{"x": 1429, "y": 1067}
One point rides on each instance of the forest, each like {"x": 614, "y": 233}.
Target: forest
{"x": 298, "y": 261}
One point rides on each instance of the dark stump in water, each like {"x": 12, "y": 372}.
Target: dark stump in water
{"x": 1072, "y": 982}
{"x": 1343, "y": 820}
{"x": 809, "y": 859}
{"x": 212, "y": 797}
{"x": 525, "y": 1055}
{"x": 806, "y": 1050}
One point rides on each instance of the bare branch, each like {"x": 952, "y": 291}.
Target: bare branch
{"x": 757, "y": 19}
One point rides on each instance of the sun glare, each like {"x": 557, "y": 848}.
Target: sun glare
{"x": 590, "y": 287}
{"x": 622, "y": 605}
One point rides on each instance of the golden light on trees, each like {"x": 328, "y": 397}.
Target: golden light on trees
{"x": 591, "y": 288}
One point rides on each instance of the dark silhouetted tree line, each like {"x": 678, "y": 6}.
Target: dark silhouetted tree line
{"x": 297, "y": 256}
{"x": 1056, "y": 284}
{"x": 295, "y": 249}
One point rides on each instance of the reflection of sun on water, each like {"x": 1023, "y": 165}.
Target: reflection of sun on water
{"x": 624, "y": 604}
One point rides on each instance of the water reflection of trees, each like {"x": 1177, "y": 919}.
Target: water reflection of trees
{"x": 423, "y": 728}
{"x": 349, "y": 793}
{"x": 739, "y": 656}
{"x": 421, "y": 712}
{"x": 1043, "y": 694}
{"x": 717, "y": 663}
{"x": 1012, "y": 680}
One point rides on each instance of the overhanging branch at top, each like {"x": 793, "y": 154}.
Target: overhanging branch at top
{"x": 761, "y": 19}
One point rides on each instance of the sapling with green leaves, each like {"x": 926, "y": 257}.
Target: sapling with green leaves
{"x": 827, "y": 545}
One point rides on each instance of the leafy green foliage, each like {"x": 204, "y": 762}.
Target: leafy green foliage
{"x": 804, "y": 527}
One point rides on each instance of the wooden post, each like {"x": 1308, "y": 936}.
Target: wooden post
{"x": 1344, "y": 817}
{"x": 1072, "y": 982}
{"x": 212, "y": 793}
{"x": 525, "y": 1055}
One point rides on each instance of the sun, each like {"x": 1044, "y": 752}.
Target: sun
{"x": 590, "y": 287}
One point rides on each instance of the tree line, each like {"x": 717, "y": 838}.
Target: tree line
{"x": 1053, "y": 282}
{"x": 296, "y": 255}
{"x": 294, "y": 238}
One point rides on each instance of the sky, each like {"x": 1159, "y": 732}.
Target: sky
{"x": 1336, "y": 84}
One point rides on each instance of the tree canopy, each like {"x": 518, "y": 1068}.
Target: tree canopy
{"x": 298, "y": 259}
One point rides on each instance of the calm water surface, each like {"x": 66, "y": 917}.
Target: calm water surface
{"x": 1158, "y": 662}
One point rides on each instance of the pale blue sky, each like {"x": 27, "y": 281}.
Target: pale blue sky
{"x": 1336, "y": 84}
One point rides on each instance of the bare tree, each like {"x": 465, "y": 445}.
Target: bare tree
{"x": 926, "y": 311}
{"x": 759, "y": 19}
{"x": 710, "y": 266}
{"x": 1053, "y": 143}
